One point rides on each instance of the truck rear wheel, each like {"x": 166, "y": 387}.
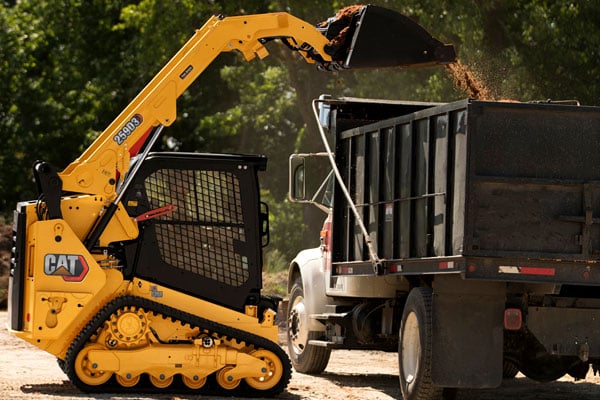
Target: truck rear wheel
{"x": 546, "y": 368}
{"x": 414, "y": 348}
{"x": 306, "y": 358}
{"x": 537, "y": 364}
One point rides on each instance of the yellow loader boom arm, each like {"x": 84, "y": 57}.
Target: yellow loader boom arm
{"x": 386, "y": 39}
{"x": 94, "y": 171}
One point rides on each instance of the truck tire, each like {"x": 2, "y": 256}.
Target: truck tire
{"x": 539, "y": 365}
{"x": 543, "y": 372}
{"x": 414, "y": 348}
{"x": 306, "y": 358}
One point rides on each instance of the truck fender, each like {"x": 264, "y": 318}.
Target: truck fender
{"x": 308, "y": 265}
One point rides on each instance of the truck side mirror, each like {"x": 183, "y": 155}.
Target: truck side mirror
{"x": 306, "y": 171}
{"x": 297, "y": 178}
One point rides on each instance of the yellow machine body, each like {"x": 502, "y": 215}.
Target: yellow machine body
{"x": 67, "y": 287}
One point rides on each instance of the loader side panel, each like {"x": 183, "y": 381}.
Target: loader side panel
{"x": 17, "y": 273}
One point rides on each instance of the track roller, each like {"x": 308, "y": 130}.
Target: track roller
{"x": 226, "y": 380}
{"x": 161, "y": 381}
{"x": 128, "y": 380}
{"x": 87, "y": 371}
{"x": 194, "y": 383}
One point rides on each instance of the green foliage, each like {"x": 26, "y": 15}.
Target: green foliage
{"x": 262, "y": 118}
{"x": 556, "y": 49}
{"x": 58, "y": 61}
{"x": 68, "y": 67}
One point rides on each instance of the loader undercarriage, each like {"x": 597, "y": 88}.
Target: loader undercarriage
{"x": 139, "y": 345}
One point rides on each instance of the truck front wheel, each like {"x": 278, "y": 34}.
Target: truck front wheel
{"x": 306, "y": 358}
{"x": 414, "y": 348}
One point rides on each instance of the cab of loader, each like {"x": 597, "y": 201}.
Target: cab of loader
{"x": 201, "y": 225}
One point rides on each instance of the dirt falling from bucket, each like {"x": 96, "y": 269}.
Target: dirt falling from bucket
{"x": 465, "y": 80}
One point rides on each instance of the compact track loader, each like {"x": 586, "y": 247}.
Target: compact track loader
{"x": 142, "y": 271}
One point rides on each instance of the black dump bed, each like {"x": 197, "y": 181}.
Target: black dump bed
{"x": 495, "y": 190}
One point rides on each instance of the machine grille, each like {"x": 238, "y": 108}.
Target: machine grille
{"x": 205, "y": 232}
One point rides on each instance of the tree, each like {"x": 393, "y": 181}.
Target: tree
{"x": 59, "y": 79}
{"x": 69, "y": 67}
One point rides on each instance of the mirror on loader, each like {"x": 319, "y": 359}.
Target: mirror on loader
{"x": 311, "y": 180}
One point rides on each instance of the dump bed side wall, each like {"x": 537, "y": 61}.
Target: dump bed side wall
{"x": 483, "y": 179}
{"x": 407, "y": 178}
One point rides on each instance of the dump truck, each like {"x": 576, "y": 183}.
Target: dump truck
{"x": 141, "y": 270}
{"x": 465, "y": 236}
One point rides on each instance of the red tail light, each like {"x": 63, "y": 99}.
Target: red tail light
{"x": 326, "y": 241}
{"x": 513, "y": 319}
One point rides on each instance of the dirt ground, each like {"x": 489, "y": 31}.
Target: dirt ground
{"x": 29, "y": 373}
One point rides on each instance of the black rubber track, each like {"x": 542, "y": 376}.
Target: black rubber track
{"x": 144, "y": 386}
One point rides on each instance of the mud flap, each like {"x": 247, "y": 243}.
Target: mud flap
{"x": 467, "y": 333}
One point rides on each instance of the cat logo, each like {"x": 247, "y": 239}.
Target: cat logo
{"x": 72, "y": 267}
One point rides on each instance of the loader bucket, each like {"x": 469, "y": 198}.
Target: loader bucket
{"x": 375, "y": 37}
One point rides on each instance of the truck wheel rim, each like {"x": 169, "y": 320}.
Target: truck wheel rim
{"x": 411, "y": 349}
{"x": 297, "y": 325}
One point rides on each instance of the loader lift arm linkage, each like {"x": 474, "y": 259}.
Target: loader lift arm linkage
{"x": 106, "y": 162}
